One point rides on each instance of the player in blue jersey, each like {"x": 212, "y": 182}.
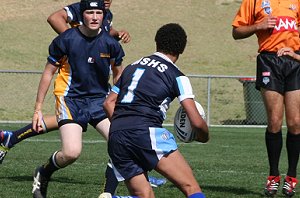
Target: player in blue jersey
{"x": 81, "y": 86}
{"x": 137, "y": 141}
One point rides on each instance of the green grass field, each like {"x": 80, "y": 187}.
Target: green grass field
{"x": 232, "y": 164}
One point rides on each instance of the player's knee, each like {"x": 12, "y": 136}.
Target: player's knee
{"x": 146, "y": 192}
{"x": 275, "y": 124}
{"x": 190, "y": 188}
{"x": 293, "y": 126}
{"x": 71, "y": 156}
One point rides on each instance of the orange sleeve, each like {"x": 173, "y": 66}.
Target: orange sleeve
{"x": 298, "y": 21}
{"x": 245, "y": 15}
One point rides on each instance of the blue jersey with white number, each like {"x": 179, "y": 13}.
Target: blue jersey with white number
{"x": 75, "y": 18}
{"x": 87, "y": 70}
{"x": 145, "y": 90}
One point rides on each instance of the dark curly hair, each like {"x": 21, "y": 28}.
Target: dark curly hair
{"x": 171, "y": 39}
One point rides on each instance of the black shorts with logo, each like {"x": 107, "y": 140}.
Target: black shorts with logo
{"x": 280, "y": 74}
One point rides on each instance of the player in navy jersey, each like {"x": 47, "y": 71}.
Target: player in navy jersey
{"x": 81, "y": 86}
{"x": 61, "y": 19}
{"x": 136, "y": 107}
{"x": 59, "y": 22}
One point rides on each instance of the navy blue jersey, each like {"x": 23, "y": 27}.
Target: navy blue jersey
{"x": 75, "y": 18}
{"x": 145, "y": 90}
{"x": 87, "y": 71}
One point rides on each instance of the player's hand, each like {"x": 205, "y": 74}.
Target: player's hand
{"x": 124, "y": 36}
{"x": 286, "y": 51}
{"x": 37, "y": 121}
{"x": 267, "y": 23}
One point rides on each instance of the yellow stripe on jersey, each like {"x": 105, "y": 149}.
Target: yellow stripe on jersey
{"x": 61, "y": 109}
{"x": 63, "y": 79}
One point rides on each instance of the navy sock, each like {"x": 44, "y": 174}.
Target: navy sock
{"x": 50, "y": 166}
{"x": 293, "y": 147}
{"x": 111, "y": 182}
{"x": 23, "y": 133}
{"x": 274, "y": 146}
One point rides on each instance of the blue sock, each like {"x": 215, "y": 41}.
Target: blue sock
{"x": 197, "y": 195}
{"x": 115, "y": 196}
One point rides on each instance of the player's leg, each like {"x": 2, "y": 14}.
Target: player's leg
{"x": 71, "y": 141}
{"x": 8, "y": 139}
{"x": 274, "y": 103}
{"x": 103, "y": 128}
{"x": 49, "y": 124}
{"x": 292, "y": 108}
{"x": 111, "y": 182}
{"x": 139, "y": 186}
{"x": 175, "y": 168}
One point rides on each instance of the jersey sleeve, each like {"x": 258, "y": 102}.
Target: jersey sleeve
{"x": 184, "y": 88}
{"x": 246, "y": 14}
{"x": 73, "y": 13}
{"x": 117, "y": 53}
{"x": 298, "y": 19}
{"x": 57, "y": 51}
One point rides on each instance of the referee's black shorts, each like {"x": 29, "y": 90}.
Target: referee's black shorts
{"x": 280, "y": 74}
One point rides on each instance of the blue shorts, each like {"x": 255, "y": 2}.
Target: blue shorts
{"x": 82, "y": 111}
{"x": 280, "y": 74}
{"x": 135, "y": 151}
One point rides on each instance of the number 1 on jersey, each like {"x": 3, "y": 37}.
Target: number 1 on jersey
{"x": 135, "y": 80}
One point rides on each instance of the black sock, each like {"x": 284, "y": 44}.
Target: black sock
{"x": 50, "y": 166}
{"x": 111, "y": 182}
{"x": 293, "y": 147}
{"x": 274, "y": 146}
{"x": 23, "y": 133}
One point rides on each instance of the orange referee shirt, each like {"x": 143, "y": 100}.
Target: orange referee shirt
{"x": 284, "y": 34}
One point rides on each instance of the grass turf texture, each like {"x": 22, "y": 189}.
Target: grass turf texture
{"x": 232, "y": 164}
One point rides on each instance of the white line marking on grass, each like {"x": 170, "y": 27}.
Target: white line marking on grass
{"x": 98, "y": 141}
{"x": 58, "y": 140}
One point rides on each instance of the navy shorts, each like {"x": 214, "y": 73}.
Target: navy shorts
{"x": 280, "y": 74}
{"x": 82, "y": 111}
{"x": 135, "y": 151}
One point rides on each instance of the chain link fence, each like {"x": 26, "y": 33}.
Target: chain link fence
{"x": 227, "y": 100}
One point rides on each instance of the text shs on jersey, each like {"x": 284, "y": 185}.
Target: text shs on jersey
{"x": 152, "y": 63}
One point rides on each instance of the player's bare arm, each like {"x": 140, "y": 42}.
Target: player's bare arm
{"x": 109, "y": 104}
{"x": 117, "y": 71}
{"x": 42, "y": 91}
{"x": 58, "y": 21}
{"x": 242, "y": 32}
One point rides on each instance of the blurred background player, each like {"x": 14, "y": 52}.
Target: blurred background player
{"x": 60, "y": 21}
{"x": 81, "y": 87}
{"x": 276, "y": 25}
{"x": 137, "y": 141}
{"x": 69, "y": 15}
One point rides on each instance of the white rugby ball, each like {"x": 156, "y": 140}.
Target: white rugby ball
{"x": 182, "y": 125}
